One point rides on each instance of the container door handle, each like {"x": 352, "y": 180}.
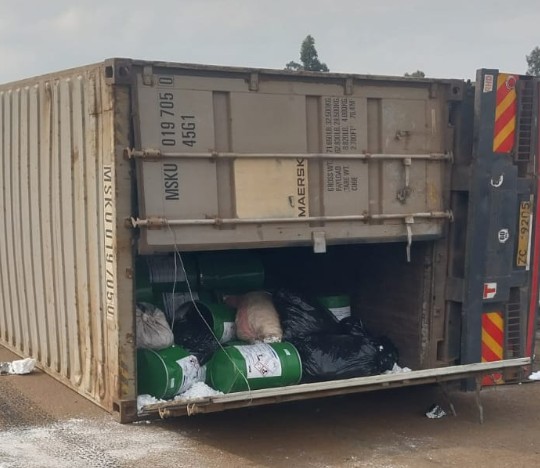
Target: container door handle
{"x": 409, "y": 221}
{"x": 405, "y": 192}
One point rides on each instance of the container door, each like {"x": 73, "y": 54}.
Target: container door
{"x": 253, "y": 159}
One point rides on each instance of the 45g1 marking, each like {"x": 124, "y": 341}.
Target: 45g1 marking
{"x": 189, "y": 133}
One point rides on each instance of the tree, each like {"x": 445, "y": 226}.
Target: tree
{"x": 309, "y": 58}
{"x": 533, "y": 62}
{"x": 292, "y": 65}
{"x": 416, "y": 74}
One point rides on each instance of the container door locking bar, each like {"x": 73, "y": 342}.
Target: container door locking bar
{"x": 156, "y": 222}
{"x": 156, "y": 154}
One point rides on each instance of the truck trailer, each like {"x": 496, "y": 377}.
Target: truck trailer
{"x": 415, "y": 197}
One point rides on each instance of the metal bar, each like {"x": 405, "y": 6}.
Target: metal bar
{"x": 479, "y": 400}
{"x": 446, "y": 396}
{"x": 337, "y": 387}
{"x": 159, "y": 222}
{"x": 151, "y": 153}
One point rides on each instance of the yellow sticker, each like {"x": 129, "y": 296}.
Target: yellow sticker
{"x": 524, "y": 229}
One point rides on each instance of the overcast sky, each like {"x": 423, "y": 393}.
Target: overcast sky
{"x": 448, "y": 39}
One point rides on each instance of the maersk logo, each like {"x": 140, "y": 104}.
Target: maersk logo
{"x": 301, "y": 188}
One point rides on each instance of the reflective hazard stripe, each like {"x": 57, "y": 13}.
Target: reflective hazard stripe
{"x": 505, "y": 114}
{"x": 492, "y": 343}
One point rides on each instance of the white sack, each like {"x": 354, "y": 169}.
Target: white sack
{"x": 153, "y": 330}
{"x": 257, "y": 319}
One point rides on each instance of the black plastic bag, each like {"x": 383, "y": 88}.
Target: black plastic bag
{"x": 301, "y": 318}
{"x": 352, "y": 326}
{"x": 334, "y": 357}
{"x": 387, "y": 355}
{"x": 192, "y": 334}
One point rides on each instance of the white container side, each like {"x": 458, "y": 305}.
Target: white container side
{"x": 58, "y": 245}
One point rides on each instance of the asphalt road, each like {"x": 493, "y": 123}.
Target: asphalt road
{"x": 43, "y": 424}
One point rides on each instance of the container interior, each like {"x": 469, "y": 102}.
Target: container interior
{"x": 387, "y": 292}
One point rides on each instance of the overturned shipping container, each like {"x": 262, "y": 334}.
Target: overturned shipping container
{"x": 415, "y": 197}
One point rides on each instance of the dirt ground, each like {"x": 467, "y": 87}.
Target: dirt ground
{"x": 43, "y": 424}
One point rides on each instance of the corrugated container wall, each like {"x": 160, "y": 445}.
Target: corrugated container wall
{"x": 57, "y": 228}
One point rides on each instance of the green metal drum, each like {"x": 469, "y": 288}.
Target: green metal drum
{"x": 252, "y": 367}
{"x": 167, "y": 372}
{"x": 175, "y": 305}
{"x": 145, "y": 294}
{"x": 161, "y": 274}
{"x": 219, "y": 316}
{"x": 230, "y": 272}
{"x": 339, "y": 305}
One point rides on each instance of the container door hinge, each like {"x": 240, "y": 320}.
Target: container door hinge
{"x": 146, "y": 153}
{"x": 349, "y": 86}
{"x": 433, "y": 88}
{"x": 319, "y": 242}
{"x": 409, "y": 221}
{"x": 148, "y": 75}
{"x": 152, "y": 222}
{"x": 254, "y": 82}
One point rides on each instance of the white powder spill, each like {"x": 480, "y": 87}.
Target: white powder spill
{"x": 82, "y": 443}
{"x": 398, "y": 370}
{"x": 143, "y": 400}
{"x": 198, "y": 390}
{"x": 535, "y": 376}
